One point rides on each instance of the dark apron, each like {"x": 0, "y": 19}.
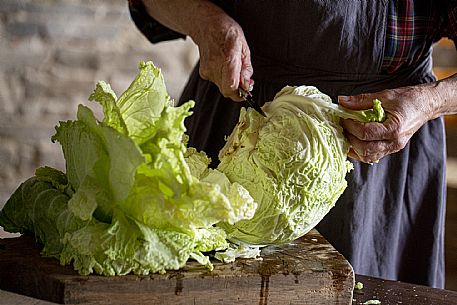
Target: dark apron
{"x": 389, "y": 222}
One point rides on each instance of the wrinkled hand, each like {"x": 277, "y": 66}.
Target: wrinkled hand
{"x": 225, "y": 57}
{"x": 407, "y": 109}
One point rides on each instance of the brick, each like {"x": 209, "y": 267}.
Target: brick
{"x": 17, "y": 163}
{"x": 63, "y": 30}
{"x": 8, "y": 152}
{"x": 26, "y": 53}
{"x": 78, "y": 58}
{"x": 60, "y": 83}
{"x": 12, "y": 6}
{"x": 10, "y": 92}
{"x": 49, "y": 7}
{"x": 24, "y": 29}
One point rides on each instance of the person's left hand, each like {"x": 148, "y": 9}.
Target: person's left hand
{"x": 407, "y": 109}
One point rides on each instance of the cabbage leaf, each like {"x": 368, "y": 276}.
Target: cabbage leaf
{"x": 133, "y": 197}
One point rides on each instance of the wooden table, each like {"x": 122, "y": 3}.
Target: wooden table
{"x": 394, "y": 293}
{"x": 388, "y": 292}
{"x": 257, "y": 290}
{"x": 306, "y": 271}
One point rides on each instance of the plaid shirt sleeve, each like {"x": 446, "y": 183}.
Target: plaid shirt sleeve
{"x": 151, "y": 28}
{"x": 413, "y": 26}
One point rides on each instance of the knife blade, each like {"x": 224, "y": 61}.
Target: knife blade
{"x": 247, "y": 96}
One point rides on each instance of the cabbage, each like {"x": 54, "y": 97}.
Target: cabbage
{"x": 133, "y": 198}
{"x": 293, "y": 162}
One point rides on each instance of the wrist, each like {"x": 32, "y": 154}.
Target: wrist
{"x": 435, "y": 97}
{"x": 445, "y": 93}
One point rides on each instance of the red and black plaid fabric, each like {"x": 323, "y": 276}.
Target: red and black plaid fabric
{"x": 413, "y": 26}
{"x": 451, "y": 29}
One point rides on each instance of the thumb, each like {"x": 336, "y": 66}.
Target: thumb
{"x": 356, "y": 102}
{"x": 246, "y": 73}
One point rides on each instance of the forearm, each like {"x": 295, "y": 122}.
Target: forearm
{"x": 189, "y": 17}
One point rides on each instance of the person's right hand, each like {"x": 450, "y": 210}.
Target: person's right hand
{"x": 225, "y": 58}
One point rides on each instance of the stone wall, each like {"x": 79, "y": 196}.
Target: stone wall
{"x": 52, "y": 52}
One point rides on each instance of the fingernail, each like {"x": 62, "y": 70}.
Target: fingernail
{"x": 343, "y": 98}
{"x": 247, "y": 84}
{"x": 251, "y": 84}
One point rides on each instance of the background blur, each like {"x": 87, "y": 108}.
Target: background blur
{"x": 52, "y": 52}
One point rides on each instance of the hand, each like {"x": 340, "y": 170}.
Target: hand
{"x": 225, "y": 57}
{"x": 407, "y": 109}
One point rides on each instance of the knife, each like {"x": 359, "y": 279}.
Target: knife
{"x": 247, "y": 96}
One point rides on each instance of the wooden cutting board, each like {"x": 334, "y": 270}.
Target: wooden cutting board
{"x": 307, "y": 271}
